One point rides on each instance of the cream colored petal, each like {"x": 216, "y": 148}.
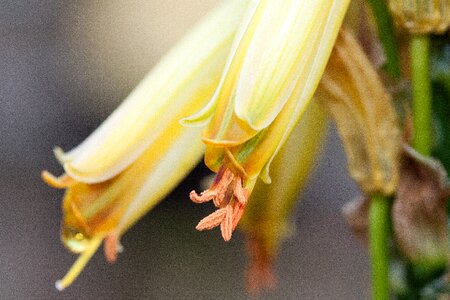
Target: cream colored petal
{"x": 317, "y": 59}
{"x": 267, "y": 220}
{"x": 254, "y": 150}
{"x": 100, "y": 208}
{"x": 95, "y": 211}
{"x": 274, "y": 60}
{"x": 230, "y": 71}
{"x": 182, "y": 82}
{"x": 170, "y": 170}
{"x": 270, "y": 205}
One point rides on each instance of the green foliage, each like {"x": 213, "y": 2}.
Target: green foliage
{"x": 386, "y": 35}
{"x": 440, "y": 70}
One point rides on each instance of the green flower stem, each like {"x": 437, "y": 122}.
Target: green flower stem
{"x": 386, "y": 34}
{"x": 421, "y": 86}
{"x": 379, "y": 229}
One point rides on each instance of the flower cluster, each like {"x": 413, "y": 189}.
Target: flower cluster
{"x": 239, "y": 90}
{"x": 254, "y": 66}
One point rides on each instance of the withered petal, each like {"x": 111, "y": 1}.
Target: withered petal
{"x": 419, "y": 213}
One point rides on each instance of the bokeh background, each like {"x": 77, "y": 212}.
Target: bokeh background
{"x": 64, "y": 66}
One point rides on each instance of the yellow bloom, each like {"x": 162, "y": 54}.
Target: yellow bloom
{"x": 267, "y": 220}
{"x": 189, "y": 71}
{"x": 274, "y": 67}
{"x": 141, "y": 151}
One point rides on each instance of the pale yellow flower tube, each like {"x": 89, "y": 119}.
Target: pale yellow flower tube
{"x": 93, "y": 212}
{"x": 186, "y": 74}
{"x": 274, "y": 68}
{"x": 142, "y": 152}
{"x": 275, "y": 65}
{"x": 267, "y": 219}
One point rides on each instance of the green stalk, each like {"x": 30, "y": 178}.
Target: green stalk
{"x": 386, "y": 34}
{"x": 379, "y": 229}
{"x": 421, "y": 86}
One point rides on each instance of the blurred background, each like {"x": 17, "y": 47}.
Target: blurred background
{"x": 64, "y": 66}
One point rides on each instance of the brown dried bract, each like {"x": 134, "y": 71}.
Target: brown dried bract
{"x": 419, "y": 213}
{"x": 356, "y": 213}
{"x": 353, "y": 94}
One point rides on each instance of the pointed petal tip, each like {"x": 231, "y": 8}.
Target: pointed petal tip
{"x": 265, "y": 174}
{"x": 244, "y": 117}
{"x": 192, "y": 121}
{"x": 60, "y": 154}
{"x": 62, "y": 182}
{"x": 222, "y": 143}
{"x": 226, "y": 230}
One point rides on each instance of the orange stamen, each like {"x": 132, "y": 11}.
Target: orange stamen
{"x": 203, "y": 197}
{"x": 212, "y": 220}
{"x": 112, "y": 246}
{"x": 259, "y": 273}
{"x": 226, "y": 227}
{"x": 229, "y": 196}
{"x": 240, "y": 193}
{"x": 238, "y": 211}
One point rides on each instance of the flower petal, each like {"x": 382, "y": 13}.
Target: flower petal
{"x": 114, "y": 205}
{"x": 267, "y": 221}
{"x": 274, "y": 59}
{"x": 264, "y": 147}
{"x": 182, "y": 82}
{"x": 95, "y": 211}
{"x": 230, "y": 71}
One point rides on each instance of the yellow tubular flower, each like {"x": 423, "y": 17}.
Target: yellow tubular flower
{"x": 266, "y": 221}
{"x": 142, "y": 152}
{"x": 189, "y": 71}
{"x": 274, "y": 67}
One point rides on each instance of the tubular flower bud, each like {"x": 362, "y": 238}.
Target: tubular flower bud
{"x": 421, "y": 16}
{"x": 141, "y": 152}
{"x": 267, "y": 221}
{"x": 104, "y": 211}
{"x": 274, "y": 67}
{"x": 185, "y": 78}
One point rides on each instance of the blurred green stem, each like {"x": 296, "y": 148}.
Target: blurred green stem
{"x": 386, "y": 35}
{"x": 421, "y": 86}
{"x": 379, "y": 228}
